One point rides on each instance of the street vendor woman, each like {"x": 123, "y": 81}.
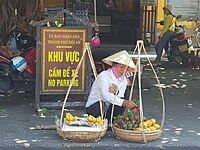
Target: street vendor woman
{"x": 111, "y": 84}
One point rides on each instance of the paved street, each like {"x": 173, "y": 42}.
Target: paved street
{"x": 181, "y": 130}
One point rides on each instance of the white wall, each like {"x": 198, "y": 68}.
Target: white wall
{"x": 187, "y": 8}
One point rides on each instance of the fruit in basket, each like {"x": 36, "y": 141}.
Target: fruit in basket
{"x": 90, "y": 118}
{"x": 148, "y": 129}
{"x": 69, "y": 118}
{"x": 95, "y": 121}
{"x": 144, "y": 125}
{"x": 138, "y": 129}
{"x": 126, "y": 118}
{"x": 149, "y": 123}
{"x": 153, "y": 121}
{"x": 157, "y": 126}
{"x": 136, "y": 117}
{"x": 135, "y": 110}
{"x": 130, "y": 120}
{"x": 98, "y": 120}
{"x": 116, "y": 124}
{"x": 152, "y": 128}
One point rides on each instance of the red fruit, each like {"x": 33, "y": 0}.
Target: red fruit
{"x": 116, "y": 124}
{"x": 136, "y": 117}
{"x": 135, "y": 110}
{"x": 138, "y": 108}
{"x": 125, "y": 118}
{"x": 134, "y": 121}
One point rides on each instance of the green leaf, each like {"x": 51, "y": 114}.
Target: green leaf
{"x": 45, "y": 112}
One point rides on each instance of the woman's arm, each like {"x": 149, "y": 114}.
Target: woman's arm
{"x": 167, "y": 23}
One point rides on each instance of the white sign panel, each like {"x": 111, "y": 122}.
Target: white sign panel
{"x": 187, "y": 8}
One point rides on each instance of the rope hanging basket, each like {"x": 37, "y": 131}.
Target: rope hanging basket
{"x": 144, "y": 131}
{"x": 73, "y": 128}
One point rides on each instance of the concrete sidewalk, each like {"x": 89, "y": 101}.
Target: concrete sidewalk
{"x": 181, "y": 130}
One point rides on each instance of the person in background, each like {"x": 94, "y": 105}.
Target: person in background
{"x": 167, "y": 31}
{"x": 111, "y": 83}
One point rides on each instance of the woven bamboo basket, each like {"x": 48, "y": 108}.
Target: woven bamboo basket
{"x": 79, "y": 135}
{"x": 136, "y": 136}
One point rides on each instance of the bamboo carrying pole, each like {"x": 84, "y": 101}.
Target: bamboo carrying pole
{"x": 139, "y": 47}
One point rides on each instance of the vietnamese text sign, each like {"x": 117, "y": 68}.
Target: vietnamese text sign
{"x": 187, "y": 8}
{"x": 62, "y": 50}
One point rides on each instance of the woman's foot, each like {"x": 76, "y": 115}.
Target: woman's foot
{"x": 156, "y": 63}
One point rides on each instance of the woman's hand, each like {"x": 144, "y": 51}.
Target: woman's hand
{"x": 113, "y": 88}
{"x": 128, "y": 104}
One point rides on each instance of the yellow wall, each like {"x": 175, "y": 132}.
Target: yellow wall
{"x": 160, "y": 14}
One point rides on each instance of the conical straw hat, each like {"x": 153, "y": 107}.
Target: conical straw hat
{"x": 169, "y": 7}
{"x": 121, "y": 57}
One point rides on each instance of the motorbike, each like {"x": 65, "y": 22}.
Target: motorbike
{"x": 179, "y": 47}
{"x": 17, "y": 60}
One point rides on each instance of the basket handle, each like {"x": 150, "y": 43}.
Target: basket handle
{"x": 73, "y": 79}
{"x": 86, "y": 49}
{"x": 95, "y": 75}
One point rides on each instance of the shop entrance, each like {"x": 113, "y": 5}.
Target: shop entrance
{"x": 120, "y": 21}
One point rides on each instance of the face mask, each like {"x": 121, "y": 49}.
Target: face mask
{"x": 115, "y": 72}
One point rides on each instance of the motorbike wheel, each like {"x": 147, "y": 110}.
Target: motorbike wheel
{"x": 6, "y": 81}
{"x": 185, "y": 62}
{"x": 185, "y": 59}
{"x": 6, "y": 84}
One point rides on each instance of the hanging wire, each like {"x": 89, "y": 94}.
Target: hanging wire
{"x": 95, "y": 11}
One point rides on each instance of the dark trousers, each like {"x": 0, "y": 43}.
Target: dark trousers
{"x": 94, "y": 110}
{"x": 161, "y": 44}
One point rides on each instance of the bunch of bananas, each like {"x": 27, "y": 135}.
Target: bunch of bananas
{"x": 69, "y": 118}
{"x": 95, "y": 121}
